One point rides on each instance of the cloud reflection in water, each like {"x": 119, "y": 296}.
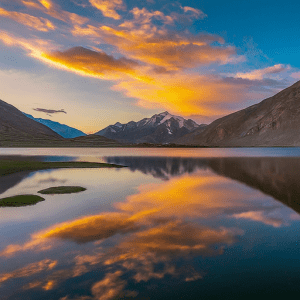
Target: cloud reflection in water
{"x": 148, "y": 233}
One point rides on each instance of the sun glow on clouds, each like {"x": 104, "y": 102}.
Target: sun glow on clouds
{"x": 150, "y": 59}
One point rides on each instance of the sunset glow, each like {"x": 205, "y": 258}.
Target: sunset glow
{"x": 156, "y": 56}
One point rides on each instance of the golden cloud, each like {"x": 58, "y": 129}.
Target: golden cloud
{"x": 109, "y": 287}
{"x": 155, "y": 59}
{"x": 109, "y": 7}
{"x": 37, "y": 23}
{"x": 91, "y": 228}
{"x": 143, "y": 41}
{"x": 54, "y": 10}
{"x": 91, "y": 62}
{"x": 29, "y": 270}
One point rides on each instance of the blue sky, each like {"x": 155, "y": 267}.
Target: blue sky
{"x": 104, "y": 61}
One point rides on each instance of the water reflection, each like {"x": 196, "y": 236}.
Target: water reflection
{"x": 274, "y": 176}
{"x": 160, "y": 167}
{"x": 162, "y": 234}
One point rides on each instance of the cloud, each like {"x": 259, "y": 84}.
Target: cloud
{"x": 93, "y": 228}
{"x": 29, "y": 270}
{"x": 296, "y": 75}
{"x": 109, "y": 7}
{"x": 141, "y": 39}
{"x": 196, "y": 12}
{"x": 262, "y": 73}
{"x": 37, "y": 23}
{"x": 109, "y": 287}
{"x": 260, "y": 216}
{"x": 91, "y": 62}
{"x": 49, "y": 111}
{"x": 149, "y": 59}
{"x": 54, "y": 10}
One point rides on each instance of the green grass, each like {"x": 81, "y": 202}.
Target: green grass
{"x": 8, "y": 166}
{"x": 62, "y": 190}
{"x": 20, "y": 200}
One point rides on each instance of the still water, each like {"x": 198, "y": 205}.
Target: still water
{"x": 174, "y": 224}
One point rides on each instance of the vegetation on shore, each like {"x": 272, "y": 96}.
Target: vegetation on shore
{"x": 62, "y": 190}
{"x": 9, "y": 166}
{"x": 20, "y": 200}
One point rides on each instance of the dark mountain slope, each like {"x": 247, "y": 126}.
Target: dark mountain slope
{"x": 273, "y": 122}
{"x": 15, "y": 127}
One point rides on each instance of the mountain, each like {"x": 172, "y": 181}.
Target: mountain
{"x": 63, "y": 130}
{"x": 160, "y": 128}
{"x": 273, "y": 122}
{"x": 16, "y": 128}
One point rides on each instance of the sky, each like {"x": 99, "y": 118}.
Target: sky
{"x": 92, "y": 63}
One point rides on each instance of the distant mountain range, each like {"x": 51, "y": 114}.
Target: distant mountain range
{"x": 63, "y": 130}
{"x": 273, "y": 122}
{"x": 17, "y": 130}
{"x": 159, "y": 129}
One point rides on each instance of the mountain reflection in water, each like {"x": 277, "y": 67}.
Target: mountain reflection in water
{"x": 275, "y": 176}
{"x": 173, "y": 239}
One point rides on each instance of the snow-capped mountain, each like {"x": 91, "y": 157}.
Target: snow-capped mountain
{"x": 63, "y": 130}
{"x": 160, "y": 128}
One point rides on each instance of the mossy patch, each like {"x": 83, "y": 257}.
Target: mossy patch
{"x": 20, "y": 200}
{"x": 62, "y": 190}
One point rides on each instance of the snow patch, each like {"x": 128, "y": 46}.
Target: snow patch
{"x": 168, "y": 116}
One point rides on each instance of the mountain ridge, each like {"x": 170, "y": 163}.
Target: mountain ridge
{"x": 62, "y": 129}
{"x": 274, "y": 121}
{"x": 160, "y": 128}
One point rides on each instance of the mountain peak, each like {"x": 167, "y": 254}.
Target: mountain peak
{"x": 160, "y": 128}
{"x": 118, "y": 124}
{"x": 165, "y": 113}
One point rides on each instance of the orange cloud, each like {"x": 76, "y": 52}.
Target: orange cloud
{"x": 140, "y": 39}
{"x": 109, "y": 287}
{"x": 54, "y": 10}
{"x": 109, "y": 7}
{"x": 91, "y": 62}
{"x": 154, "y": 63}
{"x": 29, "y": 270}
{"x": 37, "y": 23}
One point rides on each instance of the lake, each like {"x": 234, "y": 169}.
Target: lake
{"x": 173, "y": 224}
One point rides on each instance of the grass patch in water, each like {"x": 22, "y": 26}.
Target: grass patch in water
{"x": 20, "y": 200}
{"x": 62, "y": 190}
{"x": 8, "y": 166}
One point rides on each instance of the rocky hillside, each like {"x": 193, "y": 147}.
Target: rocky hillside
{"x": 273, "y": 122}
{"x": 16, "y": 127}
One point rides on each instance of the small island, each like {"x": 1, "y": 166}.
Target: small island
{"x": 62, "y": 190}
{"x": 20, "y": 200}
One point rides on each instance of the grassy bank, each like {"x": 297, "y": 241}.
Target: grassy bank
{"x": 13, "y": 166}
